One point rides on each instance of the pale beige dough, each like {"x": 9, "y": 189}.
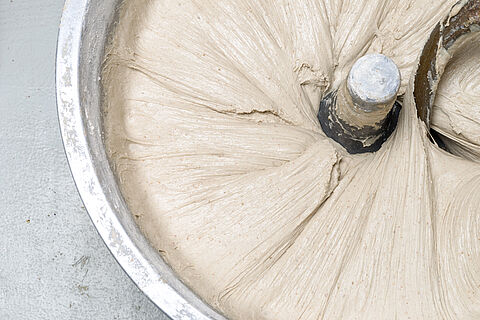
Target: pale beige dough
{"x": 456, "y": 113}
{"x": 211, "y": 128}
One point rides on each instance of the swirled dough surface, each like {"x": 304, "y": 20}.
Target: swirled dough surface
{"x": 211, "y": 128}
{"x": 456, "y": 113}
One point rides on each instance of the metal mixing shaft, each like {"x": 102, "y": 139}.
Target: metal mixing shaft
{"x": 373, "y": 83}
{"x": 363, "y": 112}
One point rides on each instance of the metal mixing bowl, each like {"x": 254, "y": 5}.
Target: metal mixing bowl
{"x": 84, "y": 31}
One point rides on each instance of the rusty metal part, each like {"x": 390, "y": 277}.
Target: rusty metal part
{"x": 463, "y": 19}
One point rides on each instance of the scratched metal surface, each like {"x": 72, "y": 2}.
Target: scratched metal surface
{"x": 53, "y": 264}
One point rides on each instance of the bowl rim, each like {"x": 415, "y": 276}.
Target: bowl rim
{"x": 151, "y": 274}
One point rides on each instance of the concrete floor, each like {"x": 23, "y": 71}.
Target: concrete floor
{"x": 53, "y": 264}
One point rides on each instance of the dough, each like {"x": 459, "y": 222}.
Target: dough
{"x": 211, "y": 129}
{"x": 456, "y": 113}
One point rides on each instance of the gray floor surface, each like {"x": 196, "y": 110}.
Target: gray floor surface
{"x": 53, "y": 264}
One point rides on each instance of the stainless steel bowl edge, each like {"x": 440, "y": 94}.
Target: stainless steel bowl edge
{"x": 83, "y": 33}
